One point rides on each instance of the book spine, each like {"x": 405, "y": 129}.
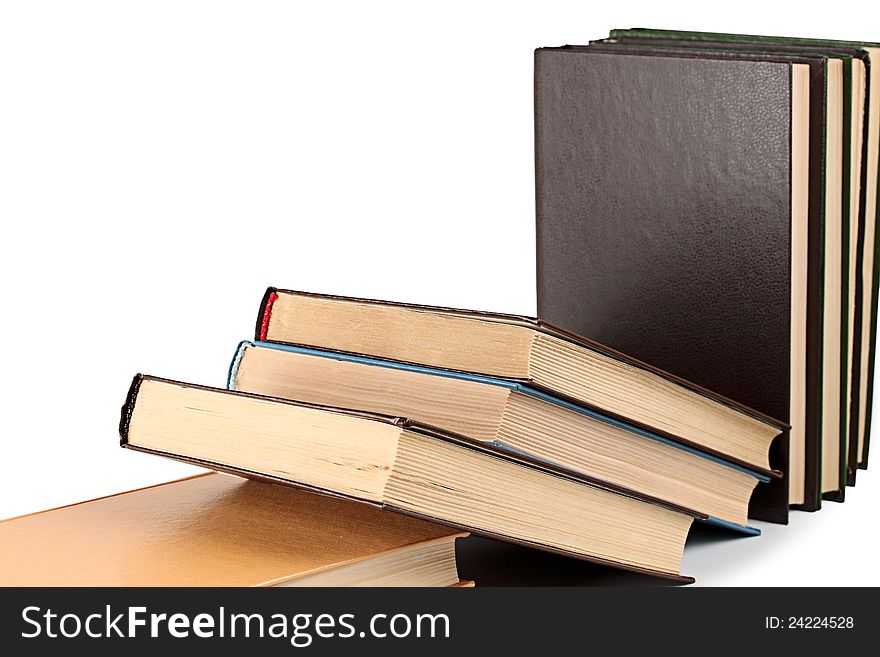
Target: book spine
{"x": 232, "y": 374}
{"x": 128, "y": 408}
{"x": 262, "y": 328}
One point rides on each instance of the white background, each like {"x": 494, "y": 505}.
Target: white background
{"x": 161, "y": 163}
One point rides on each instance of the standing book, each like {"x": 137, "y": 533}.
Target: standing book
{"x": 842, "y": 85}
{"x": 678, "y": 222}
{"x": 868, "y": 279}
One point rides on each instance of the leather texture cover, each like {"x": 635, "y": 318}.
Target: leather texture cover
{"x": 425, "y": 429}
{"x": 849, "y": 460}
{"x": 207, "y": 530}
{"x": 856, "y": 401}
{"x": 663, "y": 205}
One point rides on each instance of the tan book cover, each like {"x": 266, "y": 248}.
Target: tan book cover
{"x": 219, "y": 530}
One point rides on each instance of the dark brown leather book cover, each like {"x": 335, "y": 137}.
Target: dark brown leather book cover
{"x": 864, "y": 245}
{"x": 663, "y": 209}
{"x": 815, "y": 343}
{"x": 467, "y": 443}
{"x": 808, "y": 48}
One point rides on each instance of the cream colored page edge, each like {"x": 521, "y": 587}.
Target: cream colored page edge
{"x": 800, "y": 138}
{"x": 870, "y": 228}
{"x": 857, "y": 119}
{"x": 833, "y": 308}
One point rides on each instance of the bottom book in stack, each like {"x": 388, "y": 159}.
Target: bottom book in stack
{"x": 216, "y": 530}
{"x": 408, "y": 467}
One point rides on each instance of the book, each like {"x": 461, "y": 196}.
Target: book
{"x": 541, "y": 357}
{"x": 408, "y": 467}
{"x": 510, "y": 416}
{"x": 699, "y": 252}
{"x": 868, "y": 280}
{"x": 844, "y": 109}
{"x": 217, "y": 530}
{"x": 839, "y": 458}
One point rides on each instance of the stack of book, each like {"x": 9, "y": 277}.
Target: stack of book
{"x": 707, "y": 286}
{"x": 708, "y": 203}
{"x": 369, "y": 435}
{"x": 499, "y": 425}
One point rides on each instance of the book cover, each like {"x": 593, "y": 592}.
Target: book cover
{"x": 868, "y": 281}
{"x": 664, "y": 218}
{"x": 844, "y": 225}
{"x": 206, "y": 530}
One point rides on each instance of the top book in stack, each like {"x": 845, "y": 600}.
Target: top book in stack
{"x": 538, "y": 357}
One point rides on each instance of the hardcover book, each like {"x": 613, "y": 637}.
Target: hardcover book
{"x": 510, "y": 416}
{"x": 844, "y": 95}
{"x": 541, "y": 357}
{"x": 677, "y": 221}
{"x": 217, "y": 530}
{"x": 868, "y": 279}
{"x": 843, "y": 182}
{"x": 408, "y": 467}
